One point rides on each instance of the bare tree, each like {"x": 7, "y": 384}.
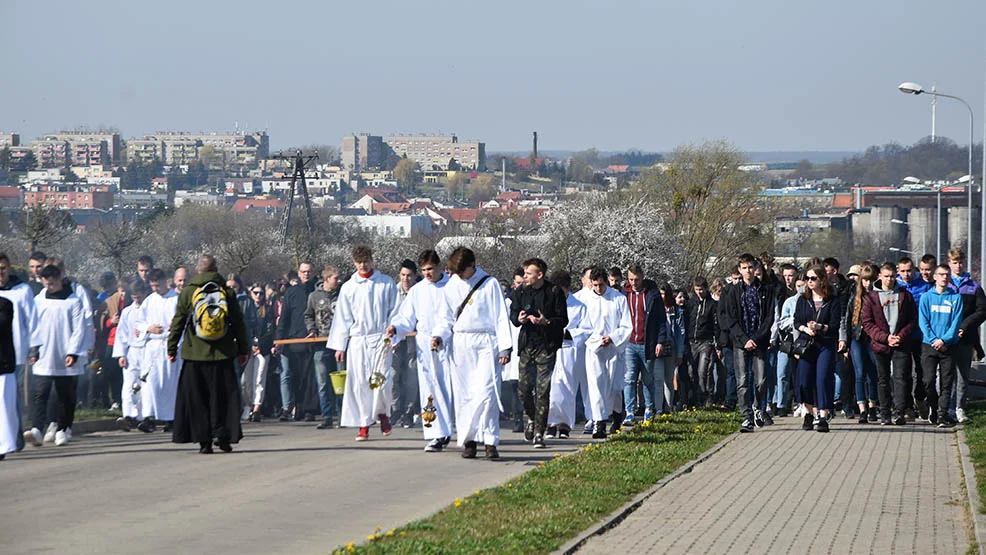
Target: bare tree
{"x": 44, "y": 227}
{"x": 117, "y": 243}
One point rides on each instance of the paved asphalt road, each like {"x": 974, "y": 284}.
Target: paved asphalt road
{"x": 286, "y": 488}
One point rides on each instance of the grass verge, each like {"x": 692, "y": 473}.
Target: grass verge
{"x": 539, "y": 511}
{"x": 83, "y": 415}
{"x": 975, "y": 437}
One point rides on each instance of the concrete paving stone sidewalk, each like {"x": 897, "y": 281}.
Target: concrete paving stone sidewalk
{"x": 858, "y": 489}
{"x": 286, "y": 488}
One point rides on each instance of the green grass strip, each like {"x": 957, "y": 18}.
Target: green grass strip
{"x": 542, "y": 509}
{"x": 975, "y": 437}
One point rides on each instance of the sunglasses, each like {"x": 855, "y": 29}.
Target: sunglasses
{"x": 257, "y": 292}
{"x": 812, "y": 278}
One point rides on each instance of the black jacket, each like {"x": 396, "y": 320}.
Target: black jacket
{"x": 829, "y": 314}
{"x": 292, "y": 323}
{"x": 701, "y": 319}
{"x": 655, "y": 317}
{"x": 549, "y": 301}
{"x": 731, "y": 316}
{"x": 260, "y": 331}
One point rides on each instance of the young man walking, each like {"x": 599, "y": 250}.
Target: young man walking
{"x": 940, "y": 318}
{"x": 973, "y": 315}
{"x": 701, "y": 328}
{"x": 418, "y": 313}
{"x": 541, "y": 312}
{"x": 474, "y": 322}
{"x": 609, "y": 316}
{"x": 564, "y": 384}
{"x": 21, "y": 297}
{"x": 318, "y": 320}
{"x": 366, "y": 305}
{"x": 405, "y": 368}
{"x": 159, "y": 392}
{"x": 128, "y": 349}
{"x": 917, "y": 396}
{"x": 644, "y": 349}
{"x": 57, "y": 344}
{"x": 748, "y": 314}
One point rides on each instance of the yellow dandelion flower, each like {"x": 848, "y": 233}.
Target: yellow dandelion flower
{"x": 390, "y": 533}
{"x": 403, "y": 532}
{"x": 370, "y": 537}
{"x": 475, "y": 492}
{"x": 458, "y": 502}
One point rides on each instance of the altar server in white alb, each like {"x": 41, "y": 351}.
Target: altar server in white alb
{"x": 21, "y": 296}
{"x": 8, "y": 381}
{"x": 129, "y": 351}
{"x": 474, "y": 318}
{"x": 564, "y": 384}
{"x": 609, "y": 316}
{"x": 419, "y": 312}
{"x": 57, "y": 344}
{"x": 367, "y": 303}
{"x": 580, "y": 377}
{"x": 160, "y": 389}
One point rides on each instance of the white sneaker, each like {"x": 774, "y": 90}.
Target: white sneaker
{"x": 960, "y": 416}
{"x": 33, "y": 436}
{"x": 115, "y": 406}
{"x": 50, "y": 432}
{"x": 61, "y": 438}
{"x": 68, "y": 433}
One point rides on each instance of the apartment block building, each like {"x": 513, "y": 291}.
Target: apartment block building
{"x": 8, "y": 140}
{"x": 178, "y": 148}
{"x": 363, "y": 152}
{"x": 110, "y": 141}
{"x": 437, "y": 151}
{"x": 69, "y": 197}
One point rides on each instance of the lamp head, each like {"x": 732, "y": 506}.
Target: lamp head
{"x": 910, "y": 88}
{"x": 897, "y": 221}
{"x": 965, "y": 179}
{"x": 911, "y": 179}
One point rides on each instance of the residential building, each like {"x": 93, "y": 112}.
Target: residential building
{"x": 19, "y": 158}
{"x": 437, "y": 151}
{"x": 68, "y": 197}
{"x": 11, "y": 197}
{"x": 400, "y": 225}
{"x": 113, "y": 146}
{"x": 8, "y": 140}
{"x": 236, "y": 150}
{"x": 363, "y": 152}
{"x": 262, "y": 205}
{"x": 51, "y": 152}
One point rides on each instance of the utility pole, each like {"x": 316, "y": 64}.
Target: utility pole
{"x": 301, "y": 162}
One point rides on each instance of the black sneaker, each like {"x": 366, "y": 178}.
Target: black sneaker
{"x": 146, "y": 425}
{"x": 563, "y": 432}
{"x": 617, "y": 423}
{"x": 747, "y": 426}
{"x": 864, "y": 417}
{"x": 168, "y": 426}
{"x": 822, "y": 426}
{"x": 767, "y": 420}
{"x": 782, "y": 412}
{"x": 599, "y": 430}
{"x": 933, "y": 416}
{"x": 538, "y": 441}
{"x": 758, "y": 420}
{"x": 325, "y": 425}
{"x": 848, "y": 412}
{"x": 945, "y": 421}
{"x": 552, "y": 432}
{"x": 872, "y": 415}
{"x": 529, "y": 431}
{"x": 809, "y": 423}
{"x": 469, "y": 450}
{"x": 900, "y": 420}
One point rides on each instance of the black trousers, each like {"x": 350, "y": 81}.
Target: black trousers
{"x": 64, "y": 400}
{"x": 208, "y": 403}
{"x": 901, "y": 360}
{"x": 933, "y": 362}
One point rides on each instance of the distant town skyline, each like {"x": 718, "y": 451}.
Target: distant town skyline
{"x": 768, "y": 76}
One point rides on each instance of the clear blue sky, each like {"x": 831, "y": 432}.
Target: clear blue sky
{"x": 765, "y": 75}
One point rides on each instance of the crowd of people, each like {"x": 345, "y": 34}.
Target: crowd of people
{"x": 454, "y": 350}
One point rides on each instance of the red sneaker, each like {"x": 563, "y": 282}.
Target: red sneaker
{"x": 385, "y": 427}
{"x": 364, "y": 434}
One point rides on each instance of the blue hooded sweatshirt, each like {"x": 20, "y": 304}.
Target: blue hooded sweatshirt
{"x": 916, "y": 288}
{"x": 939, "y": 316}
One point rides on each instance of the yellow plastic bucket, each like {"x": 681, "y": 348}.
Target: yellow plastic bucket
{"x": 338, "y": 381}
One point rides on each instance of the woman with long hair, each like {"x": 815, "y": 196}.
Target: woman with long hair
{"x": 259, "y": 318}
{"x": 676, "y": 334}
{"x": 817, "y": 315}
{"x": 851, "y": 333}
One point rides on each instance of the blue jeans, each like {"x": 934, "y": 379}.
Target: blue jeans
{"x": 783, "y": 380}
{"x": 816, "y": 378}
{"x": 771, "y": 379}
{"x": 750, "y": 368}
{"x": 864, "y": 365}
{"x": 727, "y": 359}
{"x": 287, "y": 385}
{"x": 637, "y": 364}
{"x": 325, "y": 364}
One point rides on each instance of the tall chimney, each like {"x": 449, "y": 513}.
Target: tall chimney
{"x": 535, "y": 156}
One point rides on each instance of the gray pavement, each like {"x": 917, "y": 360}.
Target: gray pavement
{"x": 857, "y": 489}
{"x": 286, "y": 488}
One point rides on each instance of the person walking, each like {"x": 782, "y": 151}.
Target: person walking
{"x": 853, "y": 336}
{"x": 644, "y": 356}
{"x": 673, "y": 351}
{"x": 889, "y": 316}
{"x": 940, "y": 317}
{"x": 209, "y": 325}
{"x": 973, "y": 315}
{"x": 261, "y": 323}
{"x": 318, "y": 320}
{"x": 367, "y": 303}
{"x": 917, "y": 405}
{"x": 473, "y": 320}
{"x": 817, "y": 315}
{"x": 701, "y": 329}
{"x": 296, "y": 360}
{"x": 128, "y": 349}
{"x": 540, "y": 311}
{"x": 25, "y": 318}
{"x": 748, "y": 314}
{"x": 9, "y": 411}
{"x": 405, "y": 367}
{"x": 564, "y": 383}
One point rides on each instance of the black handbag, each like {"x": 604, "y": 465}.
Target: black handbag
{"x": 785, "y": 342}
{"x": 667, "y": 347}
{"x": 802, "y": 345}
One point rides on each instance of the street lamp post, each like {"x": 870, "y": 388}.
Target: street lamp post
{"x": 902, "y": 251}
{"x": 924, "y": 245}
{"x": 915, "y": 89}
